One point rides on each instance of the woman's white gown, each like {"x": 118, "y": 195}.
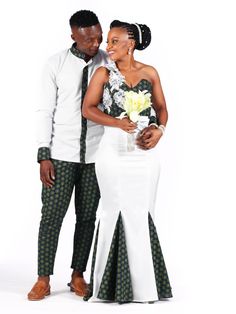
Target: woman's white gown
{"x": 127, "y": 261}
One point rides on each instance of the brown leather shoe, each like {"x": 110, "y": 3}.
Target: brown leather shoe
{"x": 79, "y": 286}
{"x": 39, "y": 291}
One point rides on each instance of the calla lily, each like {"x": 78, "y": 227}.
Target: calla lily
{"x": 134, "y": 116}
{"x": 134, "y": 103}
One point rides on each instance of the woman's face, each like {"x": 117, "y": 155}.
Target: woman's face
{"x": 118, "y": 43}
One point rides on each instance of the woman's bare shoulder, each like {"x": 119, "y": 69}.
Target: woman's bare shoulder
{"x": 151, "y": 70}
{"x": 101, "y": 74}
{"x": 148, "y": 71}
{"x": 102, "y": 70}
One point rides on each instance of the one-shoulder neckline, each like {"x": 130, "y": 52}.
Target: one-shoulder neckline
{"x": 111, "y": 66}
{"x": 136, "y": 85}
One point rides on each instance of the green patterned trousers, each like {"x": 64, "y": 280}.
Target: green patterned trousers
{"x": 56, "y": 200}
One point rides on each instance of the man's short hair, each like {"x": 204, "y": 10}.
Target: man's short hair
{"x": 84, "y": 18}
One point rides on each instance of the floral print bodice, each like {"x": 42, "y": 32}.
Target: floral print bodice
{"x": 114, "y": 89}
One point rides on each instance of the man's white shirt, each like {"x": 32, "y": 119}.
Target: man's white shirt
{"x": 59, "y": 112}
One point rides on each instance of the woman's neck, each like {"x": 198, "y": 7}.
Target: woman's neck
{"x": 126, "y": 65}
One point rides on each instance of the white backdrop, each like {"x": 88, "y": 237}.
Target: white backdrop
{"x": 193, "y": 49}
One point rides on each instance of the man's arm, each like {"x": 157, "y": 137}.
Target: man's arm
{"x": 45, "y": 113}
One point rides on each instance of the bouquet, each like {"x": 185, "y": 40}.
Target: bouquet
{"x": 134, "y": 103}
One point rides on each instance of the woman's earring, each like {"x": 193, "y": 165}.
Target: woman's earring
{"x": 129, "y": 51}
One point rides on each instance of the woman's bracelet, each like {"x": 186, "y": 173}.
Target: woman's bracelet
{"x": 154, "y": 124}
{"x": 160, "y": 127}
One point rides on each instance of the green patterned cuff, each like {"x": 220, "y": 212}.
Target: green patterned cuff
{"x": 43, "y": 154}
{"x": 152, "y": 119}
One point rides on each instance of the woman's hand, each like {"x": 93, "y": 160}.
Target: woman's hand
{"x": 127, "y": 125}
{"x": 149, "y": 137}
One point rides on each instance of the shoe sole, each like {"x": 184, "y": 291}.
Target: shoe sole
{"x": 39, "y": 299}
{"x": 72, "y": 289}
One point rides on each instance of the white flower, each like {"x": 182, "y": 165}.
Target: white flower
{"x": 115, "y": 78}
{"x": 107, "y": 100}
{"x": 134, "y": 116}
{"x": 135, "y": 103}
{"x": 119, "y": 98}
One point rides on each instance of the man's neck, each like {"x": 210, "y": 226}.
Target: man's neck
{"x": 78, "y": 53}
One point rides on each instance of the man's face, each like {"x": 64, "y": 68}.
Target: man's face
{"x": 88, "y": 39}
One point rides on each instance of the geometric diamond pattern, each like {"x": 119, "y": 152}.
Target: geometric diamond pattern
{"x": 90, "y": 286}
{"x": 83, "y": 119}
{"x": 55, "y": 204}
{"x": 87, "y": 197}
{"x": 116, "y": 281}
{"x": 43, "y": 154}
{"x": 77, "y": 52}
{"x": 82, "y": 56}
{"x": 162, "y": 280}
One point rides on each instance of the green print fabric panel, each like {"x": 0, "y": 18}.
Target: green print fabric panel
{"x": 55, "y": 204}
{"x": 116, "y": 282}
{"x": 43, "y": 154}
{"x": 84, "y": 120}
{"x": 162, "y": 280}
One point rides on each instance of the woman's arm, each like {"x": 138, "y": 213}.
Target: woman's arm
{"x": 158, "y": 98}
{"x": 151, "y": 135}
{"x": 92, "y": 99}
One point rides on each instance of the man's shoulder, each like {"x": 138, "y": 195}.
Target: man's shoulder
{"x": 55, "y": 62}
{"x": 101, "y": 57}
{"x": 57, "y": 57}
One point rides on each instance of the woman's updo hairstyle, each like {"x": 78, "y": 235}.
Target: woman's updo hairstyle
{"x": 139, "y": 32}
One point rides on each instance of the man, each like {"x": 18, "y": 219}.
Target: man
{"x": 67, "y": 145}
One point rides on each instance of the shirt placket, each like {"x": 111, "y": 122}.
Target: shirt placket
{"x": 83, "y": 120}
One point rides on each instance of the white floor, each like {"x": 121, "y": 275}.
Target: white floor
{"x": 189, "y": 300}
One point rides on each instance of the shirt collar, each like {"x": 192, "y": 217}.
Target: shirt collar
{"x": 77, "y": 52}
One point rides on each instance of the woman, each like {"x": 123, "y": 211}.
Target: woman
{"x": 127, "y": 261}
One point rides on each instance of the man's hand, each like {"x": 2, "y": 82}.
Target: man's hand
{"x": 47, "y": 174}
{"x": 149, "y": 137}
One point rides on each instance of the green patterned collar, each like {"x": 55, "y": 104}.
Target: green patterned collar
{"x": 77, "y": 52}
